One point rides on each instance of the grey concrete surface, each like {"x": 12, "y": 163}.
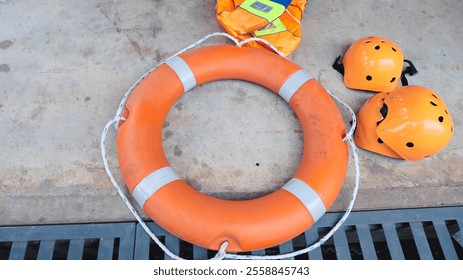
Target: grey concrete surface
{"x": 64, "y": 65}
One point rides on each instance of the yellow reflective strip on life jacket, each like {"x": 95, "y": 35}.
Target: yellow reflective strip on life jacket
{"x": 274, "y": 27}
{"x": 264, "y": 8}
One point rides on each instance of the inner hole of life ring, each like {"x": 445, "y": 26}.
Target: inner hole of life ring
{"x": 233, "y": 140}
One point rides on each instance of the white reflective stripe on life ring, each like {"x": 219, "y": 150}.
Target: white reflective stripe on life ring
{"x": 183, "y": 71}
{"x": 307, "y": 196}
{"x": 293, "y": 83}
{"x": 153, "y": 182}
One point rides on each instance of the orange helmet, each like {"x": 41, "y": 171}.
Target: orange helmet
{"x": 373, "y": 64}
{"x": 410, "y": 122}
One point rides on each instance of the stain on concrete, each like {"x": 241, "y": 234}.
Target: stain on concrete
{"x": 167, "y": 134}
{"x": 23, "y": 171}
{"x": 4, "y": 68}
{"x": 254, "y": 98}
{"x": 157, "y": 54}
{"x": 238, "y": 173}
{"x": 206, "y": 174}
{"x": 138, "y": 48}
{"x": 240, "y": 97}
{"x": 37, "y": 112}
{"x": 179, "y": 106}
{"x": 47, "y": 183}
{"x": 88, "y": 51}
{"x": 155, "y": 30}
{"x": 6, "y": 44}
{"x": 177, "y": 151}
{"x": 166, "y": 123}
{"x": 87, "y": 99}
{"x": 429, "y": 16}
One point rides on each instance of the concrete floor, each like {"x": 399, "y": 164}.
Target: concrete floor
{"x": 64, "y": 65}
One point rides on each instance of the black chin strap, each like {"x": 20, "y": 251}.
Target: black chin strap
{"x": 337, "y": 65}
{"x": 409, "y": 70}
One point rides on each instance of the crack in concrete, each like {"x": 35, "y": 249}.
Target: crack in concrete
{"x": 141, "y": 50}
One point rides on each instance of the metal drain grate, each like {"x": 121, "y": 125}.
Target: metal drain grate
{"x": 72, "y": 242}
{"x": 388, "y": 234}
{"x": 429, "y": 233}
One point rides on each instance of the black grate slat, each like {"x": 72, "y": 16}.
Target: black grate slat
{"x": 366, "y": 244}
{"x": 46, "y": 250}
{"x": 126, "y": 245}
{"x": 445, "y": 240}
{"x": 18, "y": 250}
{"x": 105, "y": 249}
{"x": 312, "y": 237}
{"x": 142, "y": 246}
{"x": 458, "y": 236}
{"x": 286, "y": 247}
{"x": 393, "y": 242}
{"x": 199, "y": 253}
{"x": 259, "y": 253}
{"x": 341, "y": 244}
{"x": 76, "y": 249}
{"x": 421, "y": 241}
{"x": 173, "y": 244}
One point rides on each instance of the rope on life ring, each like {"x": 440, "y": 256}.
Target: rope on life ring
{"x": 210, "y": 222}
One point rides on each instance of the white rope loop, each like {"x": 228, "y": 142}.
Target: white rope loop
{"x": 349, "y": 135}
{"x": 221, "y": 254}
{"x": 244, "y": 42}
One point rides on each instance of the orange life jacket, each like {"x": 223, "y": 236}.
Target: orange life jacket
{"x": 264, "y": 19}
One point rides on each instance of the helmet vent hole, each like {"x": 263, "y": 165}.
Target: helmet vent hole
{"x": 441, "y": 119}
{"x": 451, "y": 128}
{"x": 393, "y": 49}
{"x": 432, "y": 103}
{"x": 369, "y": 78}
{"x": 446, "y": 112}
{"x": 366, "y": 42}
{"x": 392, "y": 80}
{"x": 382, "y": 41}
{"x": 410, "y": 144}
{"x": 435, "y": 96}
{"x": 377, "y": 47}
{"x": 380, "y": 141}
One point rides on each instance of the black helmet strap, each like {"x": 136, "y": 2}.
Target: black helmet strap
{"x": 337, "y": 65}
{"x": 409, "y": 70}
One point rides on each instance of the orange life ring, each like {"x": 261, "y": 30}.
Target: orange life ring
{"x": 206, "y": 221}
